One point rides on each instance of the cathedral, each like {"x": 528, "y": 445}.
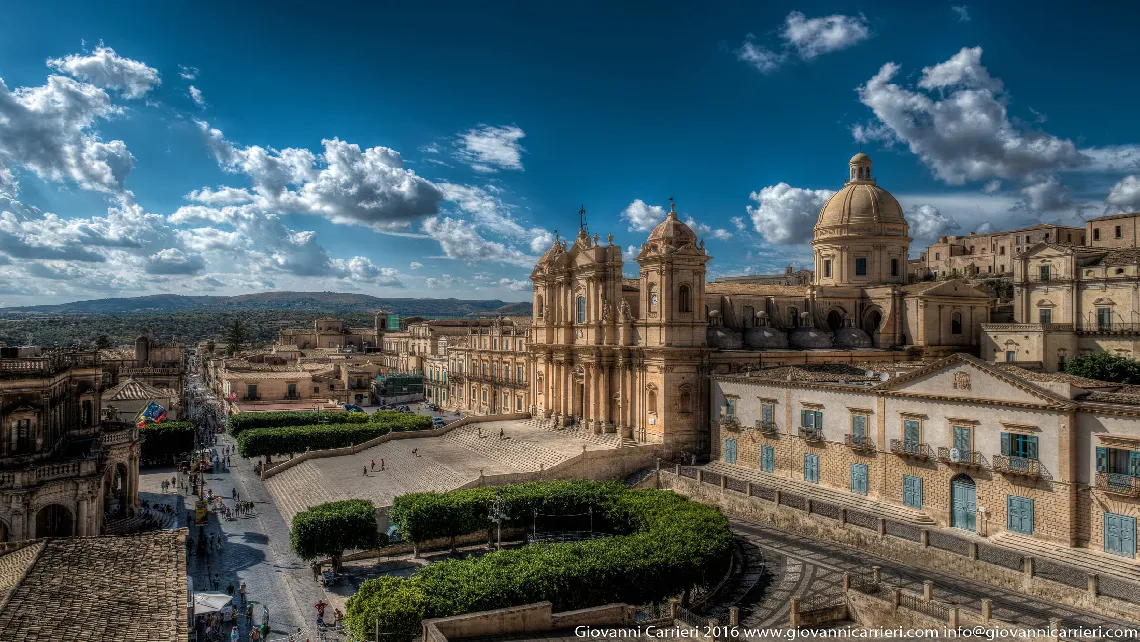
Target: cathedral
{"x": 634, "y": 356}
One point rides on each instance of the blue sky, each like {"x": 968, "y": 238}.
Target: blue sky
{"x": 433, "y": 149}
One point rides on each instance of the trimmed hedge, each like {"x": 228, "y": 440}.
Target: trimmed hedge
{"x": 257, "y": 442}
{"x": 330, "y": 529}
{"x": 665, "y": 544}
{"x": 235, "y": 424}
{"x": 165, "y": 441}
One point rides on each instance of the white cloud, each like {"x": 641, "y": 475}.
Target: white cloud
{"x": 443, "y": 281}
{"x": 704, "y": 230}
{"x": 48, "y": 131}
{"x": 962, "y": 12}
{"x": 489, "y": 149}
{"x": 1047, "y": 195}
{"x": 962, "y": 130}
{"x": 515, "y": 285}
{"x": 629, "y": 254}
{"x": 415, "y": 265}
{"x": 196, "y": 96}
{"x": 459, "y": 240}
{"x": 812, "y": 37}
{"x": 739, "y": 224}
{"x": 104, "y": 68}
{"x": 1125, "y": 195}
{"x": 760, "y": 58}
{"x": 220, "y": 196}
{"x": 642, "y": 217}
{"x": 174, "y": 261}
{"x": 786, "y": 214}
{"x": 492, "y": 214}
{"x": 188, "y": 73}
{"x": 927, "y": 223}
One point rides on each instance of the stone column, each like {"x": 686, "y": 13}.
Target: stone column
{"x": 81, "y": 513}
{"x": 607, "y": 399}
{"x": 927, "y": 590}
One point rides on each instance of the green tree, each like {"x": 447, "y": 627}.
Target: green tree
{"x": 331, "y": 529}
{"x": 102, "y": 342}
{"x": 1105, "y": 367}
{"x": 236, "y": 337}
{"x": 210, "y": 345}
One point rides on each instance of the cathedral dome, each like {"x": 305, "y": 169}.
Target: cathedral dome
{"x": 861, "y": 202}
{"x": 672, "y": 232}
{"x": 765, "y": 338}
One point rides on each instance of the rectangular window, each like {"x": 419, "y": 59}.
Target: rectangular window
{"x": 730, "y": 451}
{"x": 251, "y": 392}
{"x": 484, "y": 396}
{"x": 912, "y": 491}
{"x": 1044, "y": 269}
{"x": 912, "y": 435}
{"x": 811, "y": 468}
{"x": 937, "y": 256}
{"x": 812, "y": 420}
{"x": 1118, "y": 234}
{"x": 519, "y": 372}
{"x": 293, "y": 389}
{"x": 1045, "y": 315}
{"x": 963, "y": 440}
{"x": 1019, "y": 514}
{"x": 518, "y": 404}
{"x": 730, "y": 409}
{"x": 1096, "y": 233}
{"x": 1001, "y": 251}
{"x": 1010, "y": 356}
{"x": 768, "y": 415}
{"x": 316, "y": 390}
{"x": 1014, "y": 444}
{"x": 859, "y": 478}
{"x": 860, "y": 267}
{"x": 767, "y": 459}
{"x": 1103, "y": 318}
{"x": 858, "y": 429}
{"x": 827, "y": 268}
{"x": 1119, "y": 463}
{"x": 894, "y": 267}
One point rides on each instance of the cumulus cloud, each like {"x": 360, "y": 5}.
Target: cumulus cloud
{"x": 344, "y": 184}
{"x": 960, "y": 127}
{"x": 196, "y": 96}
{"x": 459, "y": 240}
{"x": 811, "y": 37}
{"x": 739, "y": 224}
{"x": 927, "y": 223}
{"x": 1125, "y": 195}
{"x": 48, "y": 130}
{"x": 489, "y": 149}
{"x": 108, "y": 70}
{"x": 174, "y": 261}
{"x": 760, "y": 58}
{"x": 443, "y": 281}
{"x": 1047, "y": 195}
{"x": 187, "y": 73}
{"x": 515, "y": 285}
{"x": 642, "y": 217}
{"x": 415, "y": 265}
{"x": 220, "y": 196}
{"x": 786, "y": 214}
{"x": 704, "y": 230}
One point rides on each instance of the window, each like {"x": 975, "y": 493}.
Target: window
{"x": 912, "y": 435}
{"x": 894, "y": 267}
{"x": 1061, "y": 362}
{"x": 827, "y": 268}
{"x": 1103, "y": 318}
{"x": 518, "y": 404}
{"x": 858, "y": 429}
{"x": 1120, "y": 464}
{"x": 937, "y": 256}
{"x": 1019, "y": 514}
{"x": 519, "y": 373}
{"x": 861, "y": 267}
{"x": 1118, "y": 234}
{"x": 730, "y": 410}
{"x": 963, "y": 441}
{"x": 1001, "y": 268}
{"x": 251, "y": 392}
{"x": 684, "y": 299}
{"x": 293, "y": 389}
{"x": 912, "y": 491}
{"x": 812, "y": 422}
{"x": 793, "y": 317}
{"x": 1015, "y": 444}
{"x": 768, "y": 415}
{"x": 1069, "y": 237}
{"x": 581, "y": 309}
{"x": 730, "y": 451}
{"x": 1001, "y": 251}
{"x": 316, "y": 390}
{"x": 1044, "y": 270}
{"x": 956, "y": 323}
{"x": 811, "y": 468}
{"x": 1096, "y": 233}
{"x": 767, "y": 459}
{"x": 859, "y": 478}
{"x": 1011, "y": 355}
{"x": 1044, "y": 315}
{"x": 539, "y": 309}
{"x": 484, "y": 396}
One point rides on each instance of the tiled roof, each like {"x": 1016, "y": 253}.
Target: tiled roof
{"x": 99, "y": 589}
{"x": 1114, "y": 216}
{"x": 1049, "y": 377}
{"x": 254, "y": 375}
{"x": 757, "y": 289}
{"x": 134, "y": 390}
{"x": 1127, "y": 256}
{"x": 1112, "y": 397}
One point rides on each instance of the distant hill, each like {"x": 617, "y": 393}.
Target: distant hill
{"x": 331, "y": 302}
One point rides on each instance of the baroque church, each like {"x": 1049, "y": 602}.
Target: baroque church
{"x": 634, "y": 356}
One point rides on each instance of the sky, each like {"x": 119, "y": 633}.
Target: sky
{"x": 435, "y": 149}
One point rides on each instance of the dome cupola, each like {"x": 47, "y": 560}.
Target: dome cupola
{"x": 672, "y": 231}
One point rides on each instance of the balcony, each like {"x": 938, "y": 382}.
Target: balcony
{"x": 251, "y": 398}
{"x": 730, "y": 423}
{"x": 766, "y": 427}
{"x": 911, "y": 449}
{"x": 1118, "y": 484}
{"x": 859, "y": 444}
{"x": 292, "y": 396}
{"x": 1113, "y": 328}
{"x": 1018, "y": 466}
{"x": 961, "y": 458}
{"x": 809, "y": 433}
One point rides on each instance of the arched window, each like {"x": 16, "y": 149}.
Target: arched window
{"x": 581, "y": 309}
{"x": 685, "y": 402}
{"x": 685, "y": 299}
{"x": 651, "y": 402}
{"x": 539, "y": 309}
{"x": 956, "y": 323}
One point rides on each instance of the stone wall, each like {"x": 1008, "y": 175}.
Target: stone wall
{"x": 529, "y": 618}
{"x": 615, "y": 463}
{"x": 753, "y": 509}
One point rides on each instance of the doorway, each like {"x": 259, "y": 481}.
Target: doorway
{"x": 963, "y": 503}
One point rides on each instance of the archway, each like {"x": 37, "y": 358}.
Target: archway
{"x": 871, "y": 322}
{"x": 54, "y": 520}
{"x": 963, "y": 503}
{"x": 835, "y": 320}
{"x": 114, "y": 491}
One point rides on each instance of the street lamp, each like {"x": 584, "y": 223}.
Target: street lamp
{"x": 498, "y": 514}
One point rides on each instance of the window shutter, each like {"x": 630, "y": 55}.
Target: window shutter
{"x": 804, "y": 418}
{"x": 1102, "y": 459}
{"x": 819, "y": 419}
{"x": 1134, "y": 463}
{"x": 1005, "y": 444}
{"x": 1031, "y": 447}
{"x": 858, "y": 427}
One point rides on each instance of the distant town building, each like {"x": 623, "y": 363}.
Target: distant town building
{"x": 990, "y": 254}
{"x": 790, "y": 276}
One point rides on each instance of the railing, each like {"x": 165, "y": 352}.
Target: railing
{"x": 115, "y": 437}
{"x": 1109, "y": 328}
{"x": 1118, "y": 484}
{"x": 1022, "y": 466}
{"x": 251, "y": 398}
{"x": 150, "y": 371}
{"x": 505, "y": 381}
{"x": 293, "y": 396}
{"x": 808, "y": 433}
{"x": 730, "y": 424}
{"x": 766, "y": 427}
{"x": 965, "y": 458}
{"x": 859, "y": 444}
{"x": 1029, "y": 327}
{"x": 911, "y": 449}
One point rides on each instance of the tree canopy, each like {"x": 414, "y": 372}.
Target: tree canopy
{"x": 1105, "y": 367}
{"x": 330, "y": 529}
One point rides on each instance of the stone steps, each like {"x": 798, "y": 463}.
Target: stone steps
{"x": 607, "y": 439}
{"x": 521, "y": 455}
{"x": 299, "y": 488}
{"x": 1091, "y": 560}
{"x": 815, "y": 492}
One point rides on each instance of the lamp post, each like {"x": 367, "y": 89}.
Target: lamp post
{"x": 498, "y": 514}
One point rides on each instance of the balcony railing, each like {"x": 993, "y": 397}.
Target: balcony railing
{"x": 962, "y": 458}
{"x": 730, "y": 423}
{"x": 911, "y": 449}
{"x": 292, "y": 396}
{"x": 765, "y": 427}
{"x": 1118, "y": 484}
{"x": 1109, "y": 328}
{"x": 1022, "y": 466}
{"x": 251, "y": 398}
{"x": 808, "y": 433}
{"x": 859, "y": 444}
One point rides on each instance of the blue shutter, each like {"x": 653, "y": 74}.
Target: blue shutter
{"x": 1134, "y": 463}
{"x": 910, "y": 434}
{"x": 1005, "y": 444}
{"x": 804, "y": 418}
{"x": 1102, "y": 459}
{"x": 859, "y": 428}
{"x": 912, "y": 491}
{"x": 962, "y": 439}
{"x": 1031, "y": 447}
{"x": 819, "y": 420}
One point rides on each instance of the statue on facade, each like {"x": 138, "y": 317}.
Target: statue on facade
{"x": 624, "y": 311}
{"x": 607, "y": 313}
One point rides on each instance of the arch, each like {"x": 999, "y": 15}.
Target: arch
{"x": 685, "y": 298}
{"x": 685, "y": 398}
{"x": 54, "y": 520}
{"x": 956, "y": 323}
{"x": 835, "y": 319}
{"x": 872, "y": 322}
{"x": 651, "y": 400}
{"x": 115, "y": 491}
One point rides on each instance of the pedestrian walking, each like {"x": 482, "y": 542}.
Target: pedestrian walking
{"x": 381, "y": 463}
{"x": 230, "y": 589}
{"x": 249, "y": 615}
{"x": 365, "y": 471}
{"x": 373, "y": 464}
{"x": 217, "y": 581}
{"x": 234, "y": 634}
{"x": 235, "y": 494}
{"x": 500, "y": 433}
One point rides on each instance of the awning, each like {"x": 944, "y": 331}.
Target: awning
{"x": 210, "y": 602}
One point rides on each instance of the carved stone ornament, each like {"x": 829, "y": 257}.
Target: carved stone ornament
{"x": 961, "y": 381}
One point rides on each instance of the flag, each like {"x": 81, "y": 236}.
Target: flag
{"x": 153, "y": 413}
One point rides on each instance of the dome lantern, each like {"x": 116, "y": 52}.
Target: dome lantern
{"x": 860, "y": 166}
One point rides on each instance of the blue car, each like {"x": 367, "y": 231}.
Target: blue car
{"x": 352, "y": 408}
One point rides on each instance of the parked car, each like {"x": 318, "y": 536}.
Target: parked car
{"x": 438, "y": 422}
{"x": 352, "y": 408}
{"x": 388, "y": 406}
{"x": 404, "y": 409}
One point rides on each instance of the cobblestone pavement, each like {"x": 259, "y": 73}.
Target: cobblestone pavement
{"x": 811, "y": 566}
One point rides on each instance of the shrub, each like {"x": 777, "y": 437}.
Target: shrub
{"x": 163, "y": 442}
{"x": 330, "y": 529}
{"x": 235, "y": 424}
{"x": 1105, "y": 367}
{"x": 258, "y": 442}
{"x": 665, "y": 544}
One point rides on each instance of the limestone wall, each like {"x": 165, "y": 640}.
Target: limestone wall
{"x": 525, "y": 619}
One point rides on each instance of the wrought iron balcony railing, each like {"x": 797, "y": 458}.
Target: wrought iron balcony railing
{"x": 911, "y": 449}
{"x": 859, "y": 444}
{"x": 962, "y": 458}
{"x": 766, "y": 427}
{"x": 809, "y": 433}
{"x": 1118, "y": 484}
{"x": 1022, "y": 466}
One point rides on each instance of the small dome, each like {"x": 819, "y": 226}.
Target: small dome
{"x": 808, "y": 338}
{"x": 859, "y": 159}
{"x": 861, "y": 202}
{"x": 850, "y": 338}
{"x": 672, "y": 232}
{"x": 723, "y": 338}
{"x": 765, "y": 338}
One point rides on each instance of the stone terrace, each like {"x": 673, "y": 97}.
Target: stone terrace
{"x": 443, "y": 463}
